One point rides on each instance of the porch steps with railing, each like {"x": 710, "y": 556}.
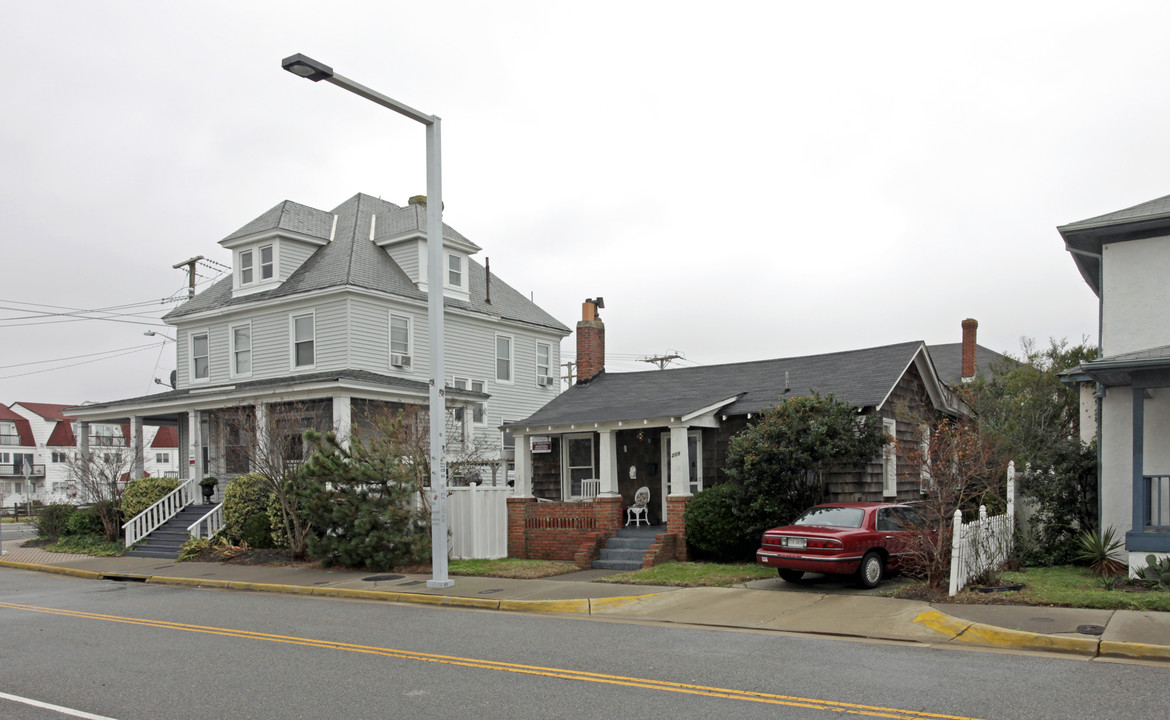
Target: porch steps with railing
{"x": 625, "y": 550}
{"x": 167, "y": 540}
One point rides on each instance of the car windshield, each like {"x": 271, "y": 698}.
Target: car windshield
{"x": 832, "y": 517}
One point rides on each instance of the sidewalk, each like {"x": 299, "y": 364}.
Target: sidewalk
{"x": 1088, "y": 633}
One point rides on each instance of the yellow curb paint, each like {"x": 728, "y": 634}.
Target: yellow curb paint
{"x": 271, "y": 587}
{"x": 943, "y": 623}
{"x": 1137, "y": 651}
{"x": 546, "y": 606}
{"x": 979, "y": 634}
{"x": 87, "y": 574}
{"x": 188, "y": 582}
{"x": 484, "y": 603}
{"x": 612, "y": 602}
{"x": 362, "y": 594}
{"x": 423, "y": 599}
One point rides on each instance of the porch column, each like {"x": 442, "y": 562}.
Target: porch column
{"x": 1139, "y": 450}
{"x": 680, "y": 462}
{"x": 523, "y": 452}
{"x": 195, "y": 455}
{"x": 343, "y": 419}
{"x": 139, "y": 468}
{"x": 609, "y": 468}
{"x": 260, "y": 415}
{"x": 83, "y": 441}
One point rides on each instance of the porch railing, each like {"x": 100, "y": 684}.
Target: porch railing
{"x": 154, "y": 516}
{"x": 208, "y": 525}
{"x": 17, "y": 471}
{"x": 1157, "y": 502}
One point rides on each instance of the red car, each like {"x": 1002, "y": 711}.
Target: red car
{"x": 865, "y": 539}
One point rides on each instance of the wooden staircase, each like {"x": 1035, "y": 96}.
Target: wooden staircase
{"x": 167, "y": 540}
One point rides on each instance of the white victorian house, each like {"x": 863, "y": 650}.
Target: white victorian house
{"x": 327, "y": 310}
{"x": 1124, "y": 257}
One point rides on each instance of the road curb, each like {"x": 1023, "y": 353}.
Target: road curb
{"x": 973, "y": 633}
{"x": 1134, "y": 651}
{"x": 87, "y": 574}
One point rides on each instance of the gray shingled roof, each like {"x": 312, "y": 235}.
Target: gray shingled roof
{"x": 1085, "y": 238}
{"x": 352, "y": 260}
{"x": 948, "y": 361}
{"x": 862, "y": 378}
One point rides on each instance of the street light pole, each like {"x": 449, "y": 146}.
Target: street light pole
{"x": 310, "y": 69}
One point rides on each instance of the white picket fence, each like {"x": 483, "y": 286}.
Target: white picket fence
{"x": 985, "y": 543}
{"x": 477, "y": 517}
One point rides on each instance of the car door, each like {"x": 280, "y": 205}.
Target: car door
{"x": 892, "y": 525}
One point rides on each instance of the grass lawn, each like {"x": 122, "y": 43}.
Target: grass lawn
{"x": 694, "y": 574}
{"x": 94, "y": 545}
{"x": 509, "y": 568}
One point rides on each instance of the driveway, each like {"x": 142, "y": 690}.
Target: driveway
{"x": 827, "y": 585}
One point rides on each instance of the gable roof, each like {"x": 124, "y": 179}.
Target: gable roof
{"x": 948, "y": 361}
{"x": 863, "y": 378}
{"x": 166, "y": 437}
{"x": 1084, "y": 238}
{"x": 351, "y": 259}
{"x": 49, "y": 411}
{"x": 23, "y": 429}
{"x": 62, "y": 435}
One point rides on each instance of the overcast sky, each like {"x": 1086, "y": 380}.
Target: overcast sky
{"x": 739, "y": 180}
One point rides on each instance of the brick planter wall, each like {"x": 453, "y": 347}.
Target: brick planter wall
{"x": 676, "y": 524}
{"x": 568, "y": 531}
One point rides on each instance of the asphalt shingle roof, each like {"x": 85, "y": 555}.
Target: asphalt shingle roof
{"x": 862, "y": 378}
{"x": 948, "y": 361}
{"x": 352, "y": 260}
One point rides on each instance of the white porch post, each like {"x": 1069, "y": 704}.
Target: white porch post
{"x": 195, "y": 454}
{"x": 84, "y": 441}
{"x": 680, "y": 462}
{"x": 609, "y": 468}
{"x": 523, "y": 451}
{"x": 343, "y": 419}
{"x": 260, "y": 411}
{"x": 139, "y": 468}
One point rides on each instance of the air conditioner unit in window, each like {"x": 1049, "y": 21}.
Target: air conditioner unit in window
{"x": 402, "y": 361}
{"x": 545, "y": 380}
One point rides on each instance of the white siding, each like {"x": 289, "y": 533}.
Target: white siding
{"x": 292, "y": 255}
{"x": 1136, "y": 294}
{"x": 406, "y": 254}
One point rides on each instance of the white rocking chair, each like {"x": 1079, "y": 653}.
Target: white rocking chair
{"x": 637, "y": 513}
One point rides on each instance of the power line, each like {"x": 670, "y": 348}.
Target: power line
{"x": 87, "y": 362}
{"x": 78, "y": 357}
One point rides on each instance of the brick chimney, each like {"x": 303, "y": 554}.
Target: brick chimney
{"x": 969, "y": 328}
{"x": 590, "y": 341}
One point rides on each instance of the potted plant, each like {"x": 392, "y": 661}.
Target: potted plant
{"x": 208, "y": 484}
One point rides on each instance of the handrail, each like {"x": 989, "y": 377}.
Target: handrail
{"x": 214, "y": 520}
{"x": 154, "y": 516}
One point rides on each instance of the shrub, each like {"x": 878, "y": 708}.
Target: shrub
{"x": 1097, "y": 549}
{"x": 85, "y": 522}
{"x": 1156, "y": 573}
{"x": 53, "y": 521}
{"x": 141, "y": 493}
{"x": 245, "y": 511}
{"x": 714, "y": 525}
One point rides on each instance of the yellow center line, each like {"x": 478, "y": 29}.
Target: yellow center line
{"x": 560, "y": 673}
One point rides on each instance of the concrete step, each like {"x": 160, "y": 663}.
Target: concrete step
{"x": 617, "y": 565}
{"x": 632, "y": 555}
{"x": 630, "y": 543}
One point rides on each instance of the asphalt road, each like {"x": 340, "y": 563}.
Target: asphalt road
{"x": 129, "y": 650}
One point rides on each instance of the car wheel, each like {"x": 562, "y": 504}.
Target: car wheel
{"x": 871, "y": 571}
{"x": 791, "y": 575}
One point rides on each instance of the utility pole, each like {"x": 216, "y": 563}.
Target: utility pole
{"x": 569, "y": 364}
{"x": 662, "y": 360}
{"x": 190, "y": 265}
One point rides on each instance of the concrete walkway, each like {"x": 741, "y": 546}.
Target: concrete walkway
{"x": 1088, "y": 633}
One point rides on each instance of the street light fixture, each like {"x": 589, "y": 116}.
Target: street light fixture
{"x": 164, "y": 337}
{"x": 310, "y": 69}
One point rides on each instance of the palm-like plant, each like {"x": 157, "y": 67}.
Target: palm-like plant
{"x": 1097, "y": 549}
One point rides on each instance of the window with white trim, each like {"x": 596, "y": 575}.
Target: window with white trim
{"x": 543, "y": 360}
{"x": 304, "y": 334}
{"x": 246, "y": 271}
{"x": 242, "y": 349}
{"x": 578, "y": 463}
{"x": 503, "y": 358}
{"x": 478, "y": 409}
{"x": 455, "y": 271}
{"x": 924, "y": 458}
{"x": 400, "y": 340}
{"x": 267, "y": 264}
{"x": 162, "y": 458}
{"x": 890, "y": 458}
{"x": 200, "y": 360}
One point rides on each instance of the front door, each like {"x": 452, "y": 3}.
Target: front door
{"x": 695, "y": 463}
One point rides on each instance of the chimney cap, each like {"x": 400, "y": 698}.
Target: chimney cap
{"x": 599, "y": 302}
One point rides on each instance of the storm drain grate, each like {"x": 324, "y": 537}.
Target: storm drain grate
{"x": 1090, "y": 629}
{"x": 413, "y": 582}
{"x": 382, "y": 578}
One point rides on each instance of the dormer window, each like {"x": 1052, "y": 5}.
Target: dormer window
{"x": 455, "y": 271}
{"x": 264, "y": 257}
